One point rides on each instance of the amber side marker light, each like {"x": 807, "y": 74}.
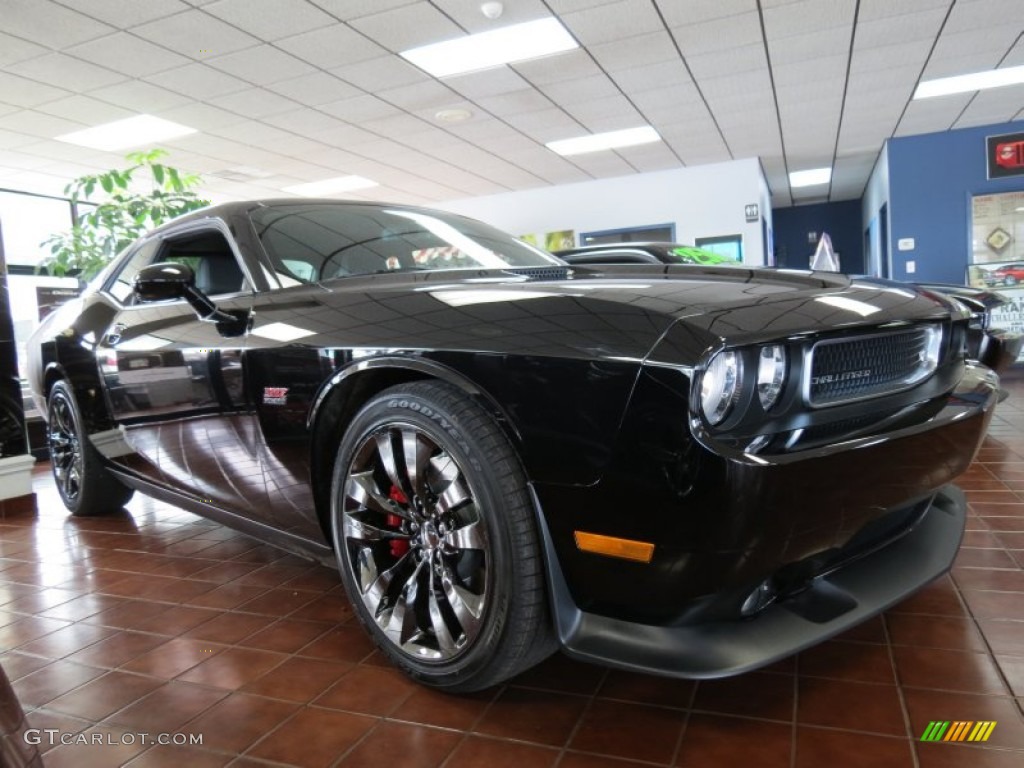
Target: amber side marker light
{"x": 626, "y": 549}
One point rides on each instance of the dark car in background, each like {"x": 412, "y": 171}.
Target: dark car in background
{"x": 691, "y": 471}
{"x": 998, "y": 348}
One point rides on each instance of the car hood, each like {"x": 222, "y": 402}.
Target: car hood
{"x": 588, "y": 311}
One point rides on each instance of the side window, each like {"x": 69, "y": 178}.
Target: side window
{"x": 120, "y": 285}
{"x": 211, "y": 258}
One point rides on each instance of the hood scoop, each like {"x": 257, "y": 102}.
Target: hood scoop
{"x": 543, "y": 273}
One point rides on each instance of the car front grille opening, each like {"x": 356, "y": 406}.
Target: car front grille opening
{"x": 844, "y": 370}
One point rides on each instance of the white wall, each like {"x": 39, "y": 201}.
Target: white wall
{"x": 702, "y": 201}
{"x": 876, "y": 194}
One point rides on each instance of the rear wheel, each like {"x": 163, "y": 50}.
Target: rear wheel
{"x": 436, "y": 542}
{"x": 84, "y": 484}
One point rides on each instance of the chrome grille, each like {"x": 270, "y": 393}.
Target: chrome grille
{"x": 843, "y": 370}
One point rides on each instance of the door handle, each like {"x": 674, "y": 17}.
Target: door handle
{"x": 114, "y": 334}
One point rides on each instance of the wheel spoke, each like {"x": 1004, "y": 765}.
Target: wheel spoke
{"x": 361, "y": 530}
{"x": 402, "y": 624}
{"x": 416, "y": 452}
{"x": 443, "y": 472}
{"x": 453, "y": 497}
{"x": 466, "y": 606}
{"x": 387, "y": 458}
{"x": 445, "y": 642}
{"x": 362, "y": 489}
{"x": 470, "y": 536}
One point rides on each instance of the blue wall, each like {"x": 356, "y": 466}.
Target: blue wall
{"x": 840, "y": 220}
{"x": 931, "y": 180}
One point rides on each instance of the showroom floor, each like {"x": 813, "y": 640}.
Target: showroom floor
{"x": 157, "y": 621}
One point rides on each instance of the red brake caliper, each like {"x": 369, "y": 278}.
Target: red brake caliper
{"x": 398, "y": 546}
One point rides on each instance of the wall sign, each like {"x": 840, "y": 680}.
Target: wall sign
{"x": 1005, "y": 155}
{"x": 751, "y": 212}
{"x": 997, "y": 253}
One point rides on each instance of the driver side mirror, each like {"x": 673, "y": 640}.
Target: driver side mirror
{"x": 169, "y": 280}
{"x": 164, "y": 281}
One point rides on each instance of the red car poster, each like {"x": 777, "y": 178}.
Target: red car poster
{"x": 1005, "y": 155}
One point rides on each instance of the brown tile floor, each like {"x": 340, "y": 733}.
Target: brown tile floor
{"x": 158, "y": 621}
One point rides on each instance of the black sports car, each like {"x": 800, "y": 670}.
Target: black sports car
{"x": 687, "y": 471}
{"x": 998, "y": 348}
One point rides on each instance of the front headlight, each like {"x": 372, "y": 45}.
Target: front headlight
{"x": 771, "y": 374}
{"x": 719, "y": 386}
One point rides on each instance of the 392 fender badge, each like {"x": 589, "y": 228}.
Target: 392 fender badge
{"x": 275, "y": 395}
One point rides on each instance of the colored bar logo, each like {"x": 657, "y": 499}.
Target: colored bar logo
{"x": 958, "y": 730}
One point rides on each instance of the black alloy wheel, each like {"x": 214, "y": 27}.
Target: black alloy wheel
{"x": 436, "y": 541}
{"x": 85, "y": 486}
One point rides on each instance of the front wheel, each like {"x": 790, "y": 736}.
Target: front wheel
{"x": 435, "y": 538}
{"x": 84, "y": 484}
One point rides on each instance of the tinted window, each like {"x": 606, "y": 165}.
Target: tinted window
{"x": 120, "y": 286}
{"x": 307, "y": 242}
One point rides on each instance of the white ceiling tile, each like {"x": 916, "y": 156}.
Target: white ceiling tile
{"x": 195, "y": 34}
{"x": 546, "y": 125}
{"x": 628, "y": 53}
{"x": 22, "y": 92}
{"x": 516, "y": 102}
{"x": 256, "y": 102}
{"x": 359, "y": 108}
{"x": 332, "y": 46}
{"x": 584, "y": 89}
{"x": 571, "y": 65}
{"x": 84, "y": 109}
{"x": 315, "y": 88}
{"x": 613, "y": 21}
{"x": 706, "y": 37}
{"x": 63, "y": 71}
{"x": 10, "y": 139}
{"x": 678, "y": 14}
{"x": 270, "y": 19}
{"x": 651, "y": 77}
{"x": 466, "y": 13}
{"x": 202, "y": 117}
{"x": 47, "y": 23}
{"x": 491, "y": 82}
{"x": 126, "y": 13}
{"x": 742, "y": 58}
{"x": 198, "y": 81}
{"x": 606, "y": 114}
{"x": 923, "y": 25}
{"x": 140, "y": 96}
{"x": 408, "y": 26}
{"x": 261, "y": 65}
{"x": 384, "y": 72}
{"x": 346, "y": 10}
{"x": 14, "y": 49}
{"x": 569, "y": 6}
{"x": 36, "y": 123}
{"x": 807, "y": 17}
{"x": 127, "y": 54}
{"x": 305, "y": 122}
{"x": 422, "y": 96}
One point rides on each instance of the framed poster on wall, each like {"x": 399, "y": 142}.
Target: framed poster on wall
{"x": 997, "y": 254}
{"x": 1005, "y": 155}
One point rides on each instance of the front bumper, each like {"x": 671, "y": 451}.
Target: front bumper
{"x": 830, "y": 604}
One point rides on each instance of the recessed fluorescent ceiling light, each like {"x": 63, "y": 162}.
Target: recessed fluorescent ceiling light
{"x": 330, "y": 186}
{"x": 130, "y": 132}
{"x": 518, "y": 42}
{"x": 976, "y": 81}
{"x": 810, "y": 177}
{"x": 598, "y": 141}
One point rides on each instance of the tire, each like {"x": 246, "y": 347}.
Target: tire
{"x": 84, "y": 484}
{"x": 442, "y": 563}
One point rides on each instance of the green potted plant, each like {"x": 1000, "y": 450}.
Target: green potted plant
{"x": 121, "y": 213}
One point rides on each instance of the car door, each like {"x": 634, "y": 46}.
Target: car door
{"x": 175, "y": 383}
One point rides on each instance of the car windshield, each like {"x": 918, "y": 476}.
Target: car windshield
{"x": 309, "y": 242}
